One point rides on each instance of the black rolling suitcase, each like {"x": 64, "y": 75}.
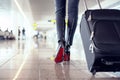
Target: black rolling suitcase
{"x": 100, "y": 33}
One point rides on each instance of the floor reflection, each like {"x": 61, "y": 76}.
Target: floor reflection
{"x": 65, "y": 71}
{"x": 62, "y": 71}
{"x": 39, "y": 66}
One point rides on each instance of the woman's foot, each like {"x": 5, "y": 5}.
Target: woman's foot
{"x": 60, "y": 54}
{"x": 67, "y": 53}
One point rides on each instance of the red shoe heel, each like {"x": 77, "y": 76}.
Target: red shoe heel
{"x": 59, "y": 56}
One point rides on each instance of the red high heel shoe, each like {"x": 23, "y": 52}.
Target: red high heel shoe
{"x": 67, "y": 53}
{"x": 59, "y": 57}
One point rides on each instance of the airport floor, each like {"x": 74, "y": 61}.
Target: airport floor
{"x": 33, "y": 60}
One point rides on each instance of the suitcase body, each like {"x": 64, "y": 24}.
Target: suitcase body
{"x": 100, "y": 33}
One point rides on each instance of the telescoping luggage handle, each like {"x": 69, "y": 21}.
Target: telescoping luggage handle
{"x": 86, "y": 7}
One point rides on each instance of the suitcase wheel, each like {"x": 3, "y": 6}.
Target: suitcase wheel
{"x": 93, "y": 72}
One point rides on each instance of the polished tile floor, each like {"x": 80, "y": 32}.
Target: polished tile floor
{"x": 33, "y": 60}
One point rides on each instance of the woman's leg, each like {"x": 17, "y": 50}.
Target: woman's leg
{"x": 60, "y": 24}
{"x": 72, "y": 19}
{"x": 72, "y": 23}
{"x": 60, "y": 19}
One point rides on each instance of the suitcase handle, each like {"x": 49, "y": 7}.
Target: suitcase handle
{"x": 85, "y": 4}
{"x": 98, "y": 2}
{"x": 86, "y": 7}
